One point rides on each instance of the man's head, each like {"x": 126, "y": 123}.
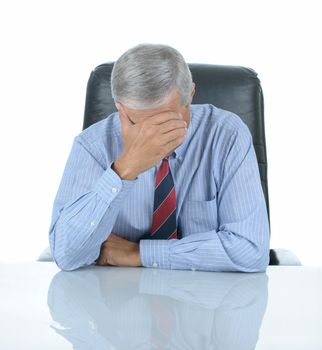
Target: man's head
{"x": 149, "y": 79}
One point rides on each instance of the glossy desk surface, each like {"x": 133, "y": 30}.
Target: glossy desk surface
{"x": 104, "y": 307}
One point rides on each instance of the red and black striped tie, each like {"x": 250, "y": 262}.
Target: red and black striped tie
{"x": 164, "y": 225}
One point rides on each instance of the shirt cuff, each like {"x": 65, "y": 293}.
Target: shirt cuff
{"x": 156, "y": 252}
{"x": 110, "y": 186}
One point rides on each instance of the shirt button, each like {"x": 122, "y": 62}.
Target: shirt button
{"x": 114, "y": 189}
{"x": 180, "y": 157}
{"x": 155, "y": 264}
{"x": 92, "y": 223}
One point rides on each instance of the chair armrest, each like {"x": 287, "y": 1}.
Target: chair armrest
{"x": 284, "y": 257}
{"x": 45, "y": 255}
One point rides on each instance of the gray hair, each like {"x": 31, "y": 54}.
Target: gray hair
{"x": 146, "y": 74}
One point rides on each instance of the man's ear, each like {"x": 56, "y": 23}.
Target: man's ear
{"x": 193, "y": 91}
{"x": 118, "y": 105}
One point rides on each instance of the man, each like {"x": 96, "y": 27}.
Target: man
{"x": 162, "y": 182}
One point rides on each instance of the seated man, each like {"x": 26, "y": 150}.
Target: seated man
{"x": 162, "y": 182}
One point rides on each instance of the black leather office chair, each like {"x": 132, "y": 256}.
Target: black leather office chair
{"x": 233, "y": 88}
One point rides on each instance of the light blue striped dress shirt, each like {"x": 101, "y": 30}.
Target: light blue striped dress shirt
{"x": 221, "y": 208}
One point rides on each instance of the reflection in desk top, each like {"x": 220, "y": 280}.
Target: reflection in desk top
{"x": 141, "y": 308}
{"x": 146, "y": 308}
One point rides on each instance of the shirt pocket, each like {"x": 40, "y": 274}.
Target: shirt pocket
{"x": 198, "y": 216}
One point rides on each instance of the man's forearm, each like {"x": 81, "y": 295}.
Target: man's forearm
{"x": 81, "y": 227}
{"x": 207, "y": 251}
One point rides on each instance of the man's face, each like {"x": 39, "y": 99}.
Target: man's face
{"x": 172, "y": 104}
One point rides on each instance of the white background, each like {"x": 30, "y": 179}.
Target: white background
{"x": 48, "y": 49}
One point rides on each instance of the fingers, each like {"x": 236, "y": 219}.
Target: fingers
{"x": 172, "y": 124}
{"x": 117, "y": 251}
{"x": 173, "y": 135}
{"x": 103, "y": 257}
{"x": 172, "y": 145}
{"x": 102, "y": 262}
{"x": 164, "y": 117}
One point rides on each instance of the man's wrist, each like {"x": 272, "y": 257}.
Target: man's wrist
{"x": 138, "y": 261}
{"x": 123, "y": 171}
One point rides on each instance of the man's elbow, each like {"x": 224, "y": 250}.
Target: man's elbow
{"x": 65, "y": 265}
{"x": 261, "y": 265}
{"x": 67, "y": 261}
{"x": 66, "y": 257}
{"x": 258, "y": 260}
{"x": 258, "y": 254}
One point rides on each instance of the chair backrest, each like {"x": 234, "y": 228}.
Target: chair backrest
{"x": 233, "y": 88}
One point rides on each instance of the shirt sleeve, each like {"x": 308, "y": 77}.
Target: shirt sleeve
{"x": 85, "y": 208}
{"x": 241, "y": 242}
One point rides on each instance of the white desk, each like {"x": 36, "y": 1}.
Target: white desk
{"x": 42, "y": 307}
